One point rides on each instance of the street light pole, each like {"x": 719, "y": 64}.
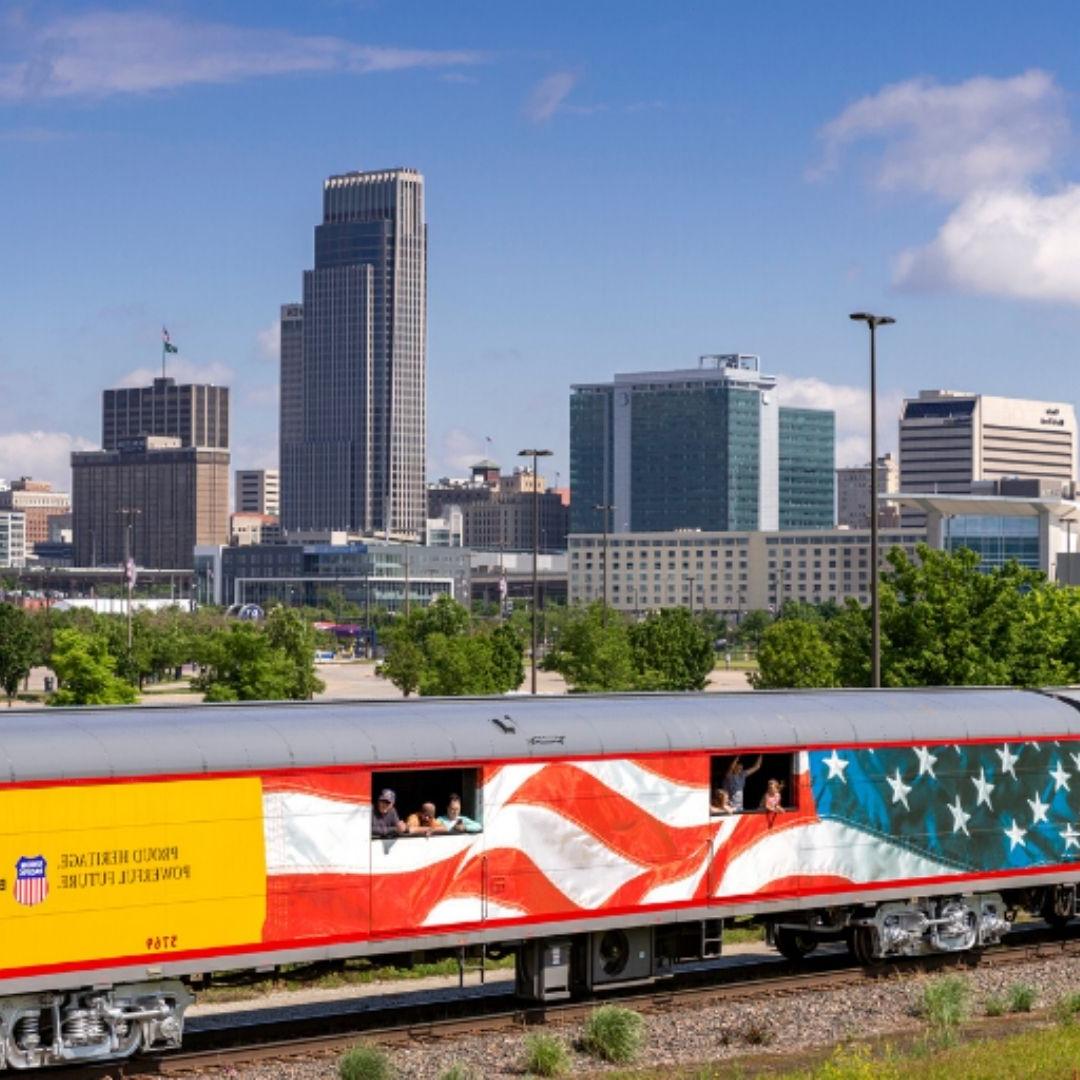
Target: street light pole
{"x": 873, "y": 322}
{"x": 534, "y": 454}
{"x": 605, "y": 509}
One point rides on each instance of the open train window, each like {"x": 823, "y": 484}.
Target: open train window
{"x": 748, "y": 776}
{"x": 412, "y": 788}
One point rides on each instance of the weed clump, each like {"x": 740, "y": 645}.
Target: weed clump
{"x": 364, "y": 1062}
{"x": 545, "y": 1055}
{"x": 944, "y": 1005}
{"x": 1067, "y": 1008}
{"x": 1021, "y": 998}
{"x": 614, "y": 1034}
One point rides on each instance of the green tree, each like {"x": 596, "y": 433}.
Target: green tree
{"x": 404, "y": 663}
{"x": 241, "y": 664}
{"x": 593, "y": 652}
{"x": 87, "y": 671}
{"x": 672, "y": 651}
{"x": 751, "y": 628}
{"x": 18, "y": 648}
{"x": 438, "y": 650}
{"x": 290, "y": 634}
{"x": 794, "y": 653}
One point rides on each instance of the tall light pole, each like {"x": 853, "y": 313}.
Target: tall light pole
{"x": 534, "y": 454}
{"x": 606, "y": 509}
{"x": 873, "y": 322}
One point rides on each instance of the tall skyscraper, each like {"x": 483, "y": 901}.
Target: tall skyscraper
{"x": 354, "y": 363}
{"x": 703, "y": 448}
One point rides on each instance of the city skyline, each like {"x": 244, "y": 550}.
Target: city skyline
{"x": 603, "y": 195}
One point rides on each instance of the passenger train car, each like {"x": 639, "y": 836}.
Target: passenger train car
{"x": 142, "y": 848}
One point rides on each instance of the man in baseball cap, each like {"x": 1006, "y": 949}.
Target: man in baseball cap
{"x": 385, "y": 821}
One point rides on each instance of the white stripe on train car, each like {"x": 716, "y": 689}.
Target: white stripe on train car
{"x": 309, "y": 834}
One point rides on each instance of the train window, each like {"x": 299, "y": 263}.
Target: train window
{"x": 413, "y": 788}
{"x": 740, "y": 782}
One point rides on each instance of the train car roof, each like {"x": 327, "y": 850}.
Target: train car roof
{"x": 61, "y": 744}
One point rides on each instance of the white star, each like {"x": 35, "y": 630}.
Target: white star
{"x": 926, "y": 760}
{"x": 1070, "y": 836}
{"x": 1008, "y": 761}
{"x": 899, "y": 789}
{"x": 1061, "y": 778}
{"x": 1038, "y": 809}
{"x": 984, "y": 788}
{"x": 1076, "y": 761}
{"x": 836, "y": 766}
{"x": 959, "y": 818}
{"x": 1016, "y": 835}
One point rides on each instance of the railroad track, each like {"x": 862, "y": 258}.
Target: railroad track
{"x": 323, "y": 1033}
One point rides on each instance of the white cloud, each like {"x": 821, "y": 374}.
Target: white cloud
{"x": 852, "y": 407}
{"x": 460, "y": 450}
{"x": 951, "y": 140}
{"x": 1018, "y": 244}
{"x": 101, "y": 53}
{"x": 183, "y": 371}
{"x": 268, "y": 341}
{"x": 44, "y": 455}
{"x": 547, "y": 96}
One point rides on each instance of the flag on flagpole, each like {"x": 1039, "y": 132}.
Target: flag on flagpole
{"x": 166, "y": 341}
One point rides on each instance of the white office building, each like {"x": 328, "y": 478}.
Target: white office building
{"x": 12, "y": 540}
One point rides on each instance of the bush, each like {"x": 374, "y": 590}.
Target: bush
{"x": 1067, "y": 1008}
{"x": 546, "y": 1055}
{"x": 944, "y": 1005}
{"x": 1021, "y": 998}
{"x": 614, "y": 1034}
{"x": 995, "y": 1005}
{"x": 364, "y": 1062}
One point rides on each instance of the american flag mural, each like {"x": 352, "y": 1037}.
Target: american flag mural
{"x": 571, "y": 837}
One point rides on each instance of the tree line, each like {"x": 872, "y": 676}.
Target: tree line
{"x": 944, "y": 622}
{"x": 269, "y": 660}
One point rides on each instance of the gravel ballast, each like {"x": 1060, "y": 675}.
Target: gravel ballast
{"x": 786, "y": 1024}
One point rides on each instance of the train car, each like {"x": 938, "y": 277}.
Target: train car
{"x": 142, "y": 848}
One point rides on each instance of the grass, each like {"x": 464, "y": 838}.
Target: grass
{"x": 944, "y": 1006}
{"x": 545, "y": 1055}
{"x": 351, "y": 973}
{"x": 364, "y": 1062}
{"x": 1049, "y": 1053}
{"x": 1020, "y": 998}
{"x": 743, "y": 934}
{"x": 613, "y": 1034}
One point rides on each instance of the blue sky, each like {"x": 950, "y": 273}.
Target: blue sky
{"x": 612, "y": 186}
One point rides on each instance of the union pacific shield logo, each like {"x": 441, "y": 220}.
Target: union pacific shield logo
{"x": 31, "y": 884}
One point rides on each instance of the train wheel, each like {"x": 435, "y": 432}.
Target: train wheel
{"x": 794, "y": 946}
{"x": 862, "y": 942}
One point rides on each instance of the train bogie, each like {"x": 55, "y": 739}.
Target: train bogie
{"x": 91, "y": 1025}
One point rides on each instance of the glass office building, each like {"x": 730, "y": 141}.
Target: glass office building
{"x": 702, "y": 448}
{"x": 997, "y": 539}
{"x": 353, "y": 364}
{"x": 807, "y": 468}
